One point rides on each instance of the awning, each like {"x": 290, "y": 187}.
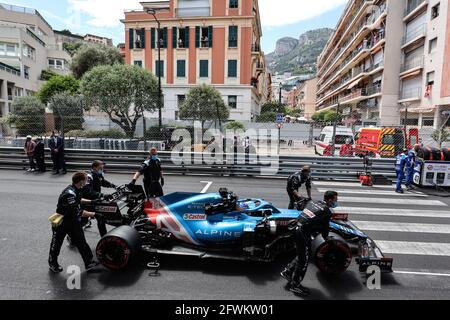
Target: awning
{"x": 354, "y": 83}
{"x": 420, "y": 109}
{"x": 412, "y": 74}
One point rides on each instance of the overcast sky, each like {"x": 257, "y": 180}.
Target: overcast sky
{"x": 279, "y": 17}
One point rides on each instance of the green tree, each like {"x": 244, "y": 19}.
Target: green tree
{"x": 68, "y": 111}
{"x": 204, "y": 103}
{"x": 294, "y": 112}
{"x": 267, "y": 117}
{"x": 273, "y": 106}
{"x": 123, "y": 92}
{"x": 72, "y": 48}
{"x": 441, "y": 136}
{"x": 89, "y": 56}
{"x": 28, "y": 115}
{"x": 47, "y": 74}
{"x": 58, "y": 84}
{"x": 235, "y": 125}
{"x": 331, "y": 116}
{"x": 319, "y": 116}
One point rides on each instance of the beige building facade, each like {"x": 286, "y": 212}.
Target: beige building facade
{"x": 387, "y": 57}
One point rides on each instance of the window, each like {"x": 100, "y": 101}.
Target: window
{"x": 410, "y": 122}
{"x": 232, "y": 102}
{"x": 159, "y": 68}
{"x": 56, "y": 64}
{"x": 26, "y": 72}
{"x": 181, "y": 98}
{"x": 232, "y": 36}
{"x": 204, "y": 66}
{"x": 427, "y": 122}
{"x": 234, "y": 4}
{"x": 181, "y": 68}
{"x": 11, "y": 50}
{"x": 204, "y": 37}
{"x": 430, "y": 78}
{"x": 232, "y": 68}
{"x": 432, "y": 45}
{"x": 435, "y": 11}
{"x": 137, "y": 38}
{"x": 181, "y": 37}
{"x": 29, "y": 52}
{"x": 138, "y": 63}
{"x": 158, "y": 38}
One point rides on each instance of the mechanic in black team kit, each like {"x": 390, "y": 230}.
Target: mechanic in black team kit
{"x": 93, "y": 188}
{"x": 314, "y": 220}
{"x": 152, "y": 171}
{"x": 294, "y": 183}
{"x": 69, "y": 205}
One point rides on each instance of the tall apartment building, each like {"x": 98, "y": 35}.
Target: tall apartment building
{"x": 98, "y": 40}
{"x": 386, "y": 57}
{"x": 27, "y": 46}
{"x": 214, "y": 42}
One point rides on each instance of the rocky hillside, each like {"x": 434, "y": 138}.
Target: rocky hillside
{"x": 298, "y": 55}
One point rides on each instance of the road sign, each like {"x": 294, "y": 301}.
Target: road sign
{"x": 279, "y": 125}
{"x": 280, "y": 118}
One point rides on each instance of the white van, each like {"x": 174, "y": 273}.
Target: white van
{"x": 326, "y": 136}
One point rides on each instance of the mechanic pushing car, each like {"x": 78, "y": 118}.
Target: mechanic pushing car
{"x": 152, "y": 171}
{"x": 314, "y": 220}
{"x": 400, "y": 164}
{"x": 295, "y": 181}
{"x": 69, "y": 206}
{"x": 93, "y": 188}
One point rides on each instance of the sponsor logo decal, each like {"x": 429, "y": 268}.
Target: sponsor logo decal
{"x": 105, "y": 209}
{"x": 309, "y": 213}
{"x": 194, "y": 216}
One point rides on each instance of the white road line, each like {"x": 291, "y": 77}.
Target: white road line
{"x": 206, "y": 188}
{"x": 417, "y": 273}
{"x": 414, "y": 248}
{"x": 393, "y": 212}
{"x": 375, "y": 192}
{"x": 403, "y": 227}
{"x": 349, "y": 184}
{"x": 396, "y": 201}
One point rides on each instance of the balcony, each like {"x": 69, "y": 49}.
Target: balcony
{"x": 414, "y": 35}
{"x": 415, "y": 63}
{"x": 412, "y": 5}
{"x": 411, "y": 94}
{"x": 9, "y": 69}
{"x": 192, "y": 12}
{"x": 256, "y": 49}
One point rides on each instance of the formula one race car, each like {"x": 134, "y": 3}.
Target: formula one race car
{"x": 219, "y": 225}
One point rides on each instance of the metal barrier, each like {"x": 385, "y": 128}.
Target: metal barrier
{"x": 117, "y": 161}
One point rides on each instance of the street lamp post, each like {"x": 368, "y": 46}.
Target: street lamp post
{"x": 153, "y": 13}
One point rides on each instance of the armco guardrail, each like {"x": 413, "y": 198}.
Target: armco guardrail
{"x": 129, "y": 161}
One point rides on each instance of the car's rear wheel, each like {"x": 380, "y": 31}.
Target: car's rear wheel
{"x": 331, "y": 256}
{"x": 118, "y": 249}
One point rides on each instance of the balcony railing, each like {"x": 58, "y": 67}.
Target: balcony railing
{"x": 9, "y": 69}
{"x": 35, "y": 37}
{"x": 417, "y": 62}
{"x": 256, "y": 48}
{"x": 418, "y": 32}
{"x": 412, "y": 5}
{"x": 413, "y": 93}
{"x": 20, "y": 9}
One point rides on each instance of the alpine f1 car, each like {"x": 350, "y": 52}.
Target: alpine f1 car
{"x": 219, "y": 225}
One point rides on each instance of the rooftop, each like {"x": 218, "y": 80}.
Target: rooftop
{"x": 20, "y": 9}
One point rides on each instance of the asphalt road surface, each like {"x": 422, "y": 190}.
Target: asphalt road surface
{"x": 413, "y": 228}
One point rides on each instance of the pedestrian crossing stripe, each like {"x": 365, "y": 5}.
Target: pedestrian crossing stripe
{"x": 376, "y": 192}
{"x": 402, "y": 227}
{"x": 393, "y": 212}
{"x": 414, "y": 248}
{"x": 395, "y": 201}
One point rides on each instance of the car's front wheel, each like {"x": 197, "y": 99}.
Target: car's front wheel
{"x": 331, "y": 256}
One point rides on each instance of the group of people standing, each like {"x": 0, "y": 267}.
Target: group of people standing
{"x": 35, "y": 151}
{"x": 404, "y": 168}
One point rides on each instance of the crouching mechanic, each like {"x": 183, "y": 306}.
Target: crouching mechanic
{"x": 69, "y": 205}
{"x": 93, "y": 189}
{"x": 314, "y": 220}
{"x": 294, "y": 183}
{"x": 152, "y": 171}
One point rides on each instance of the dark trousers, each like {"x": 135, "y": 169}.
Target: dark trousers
{"x": 40, "y": 161}
{"x": 292, "y": 201}
{"x": 59, "y": 162}
{"x": 32, "y": 163}
{"x": 101, "y": 224}
{"x": 75, "y": 231}
{"x": 153, "y": 189}
{"x": 298, "y": 267}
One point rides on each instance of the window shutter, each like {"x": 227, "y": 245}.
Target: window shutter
{"x": 186, "y": 44}
{"x": 181, "y": 68}
{"x": 164, "y": 38}
{"x": 131, "y": 44}
{"x": 197, "y": 37}
{"x": 204, "y": 72}
{"x": 233, "y": 36}
{"x": 153, "y": 37}
{"x": 143, "y": 38}
{"x": 232, "y": 68}
{"x": 174, "y": 37}
{"x": 210, "y": 36}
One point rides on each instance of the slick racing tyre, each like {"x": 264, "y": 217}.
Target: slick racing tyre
{"x": 119, "y": 248}
{"x": 331, "y": 256}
